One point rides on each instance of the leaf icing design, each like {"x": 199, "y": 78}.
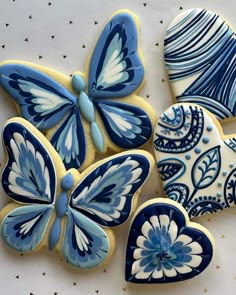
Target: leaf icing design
{"x": 206, "y": 168}
{"x": 171, "y": 169}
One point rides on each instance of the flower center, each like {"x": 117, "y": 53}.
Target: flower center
{"x": 161, "y": 256}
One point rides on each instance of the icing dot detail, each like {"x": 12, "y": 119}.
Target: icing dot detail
{"x": 231, "y": 165}
{"x": 67, "y": 182}
{"x": 224, "y": 173}
{"x": 187, "y": 157}
{"x": 219, "y": 184}
{"x": 219, "y": 194}
{"x": 209, "y": 128}
{"x": 197, "y": 150}
{"x": 205, "y": 139}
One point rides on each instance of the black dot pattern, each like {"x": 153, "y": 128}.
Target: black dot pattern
{"x": 60, "y": 35}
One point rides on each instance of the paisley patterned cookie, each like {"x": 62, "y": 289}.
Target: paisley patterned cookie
{"x": 164, "y": 246}
{"x": 90, "y": 112}
{"x": 64, "y": 210}
{"x": 200, "y": 51}
{"x": 196, "y": 161}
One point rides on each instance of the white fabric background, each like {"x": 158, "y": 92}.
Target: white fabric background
{"x": 26, "y": 30}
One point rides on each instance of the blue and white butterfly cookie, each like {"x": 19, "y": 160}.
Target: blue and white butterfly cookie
{"x": 64, "y": 210}
{"x": 196, "y": 161}
{"x": 200, "y": 57}
{"x": 90, "y": 112}
{"x": 164, "y": 246}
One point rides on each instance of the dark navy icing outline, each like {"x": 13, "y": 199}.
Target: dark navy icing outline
{"x": 174, "y": 213}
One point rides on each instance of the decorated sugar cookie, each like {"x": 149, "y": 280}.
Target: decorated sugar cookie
{"x": 90, "y": 112}
{"x": 196, "y": 161}
{"x": 200, "y": 51}
{"x": 164, "y": 246}
{"x": 65, "y": 210}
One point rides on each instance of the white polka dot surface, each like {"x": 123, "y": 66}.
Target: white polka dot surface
{"x": 60, "y": 34}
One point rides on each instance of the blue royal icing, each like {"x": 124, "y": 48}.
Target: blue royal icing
{"x": 200, "y": 50}
{"x": 115, "y": 67}
{"x": 98, "y": 139}
{"x": 101, "y": 197}
{"x": 194, "y": 141}
{"x": 171, "y": 169}
{"x": 164, "y": 247}
{"x": 78, "y": 83}
{"x": 115, "y": 71}
{"x": 61, "y": 209}
{"x": 86, "y": 107}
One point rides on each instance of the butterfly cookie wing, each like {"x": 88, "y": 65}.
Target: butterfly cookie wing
{"x": 104, "y": 197}
{"x": 116, "y": 71}
{"x": 42, "y": 100}
{"x": 47, "y": 104}
{"x": 29, "y": 179}
{"x": 85, "y": 244}
{"x": 106, "y": 194}
{"x": 69, "y": 140}
{"x": 128, "y": 126}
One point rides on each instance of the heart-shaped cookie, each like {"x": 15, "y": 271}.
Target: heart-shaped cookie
{"x": 200, "y": 57}
{"x": 197, "y": 163}
{"x": 164, "y": 246}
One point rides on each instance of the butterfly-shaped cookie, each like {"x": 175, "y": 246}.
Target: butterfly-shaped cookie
{"x": 200, "y": 57}
{"x": 91, "y": 111}
{"x": 63, "y": 209}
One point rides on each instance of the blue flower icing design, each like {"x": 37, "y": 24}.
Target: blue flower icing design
{"x": 162, "y": 247}
{"x": 162, "y": 252}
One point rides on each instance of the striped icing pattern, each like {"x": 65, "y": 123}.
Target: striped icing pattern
{"x": 200, "y": 57}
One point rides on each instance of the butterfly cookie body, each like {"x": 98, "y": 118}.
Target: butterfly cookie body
{"x": 90, "y": 112}
{"x": 65, "y": 210}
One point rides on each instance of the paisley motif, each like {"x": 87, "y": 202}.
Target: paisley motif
{"x": 204, "y": 205}
{"x": 207, "y": 183}
{"x": 179, "y": 129}
{"x": 178, "y": 192}
{"x": 230, "y": 188}
{"x": 231, "y": 142}
{"x": 171, "y": 169}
